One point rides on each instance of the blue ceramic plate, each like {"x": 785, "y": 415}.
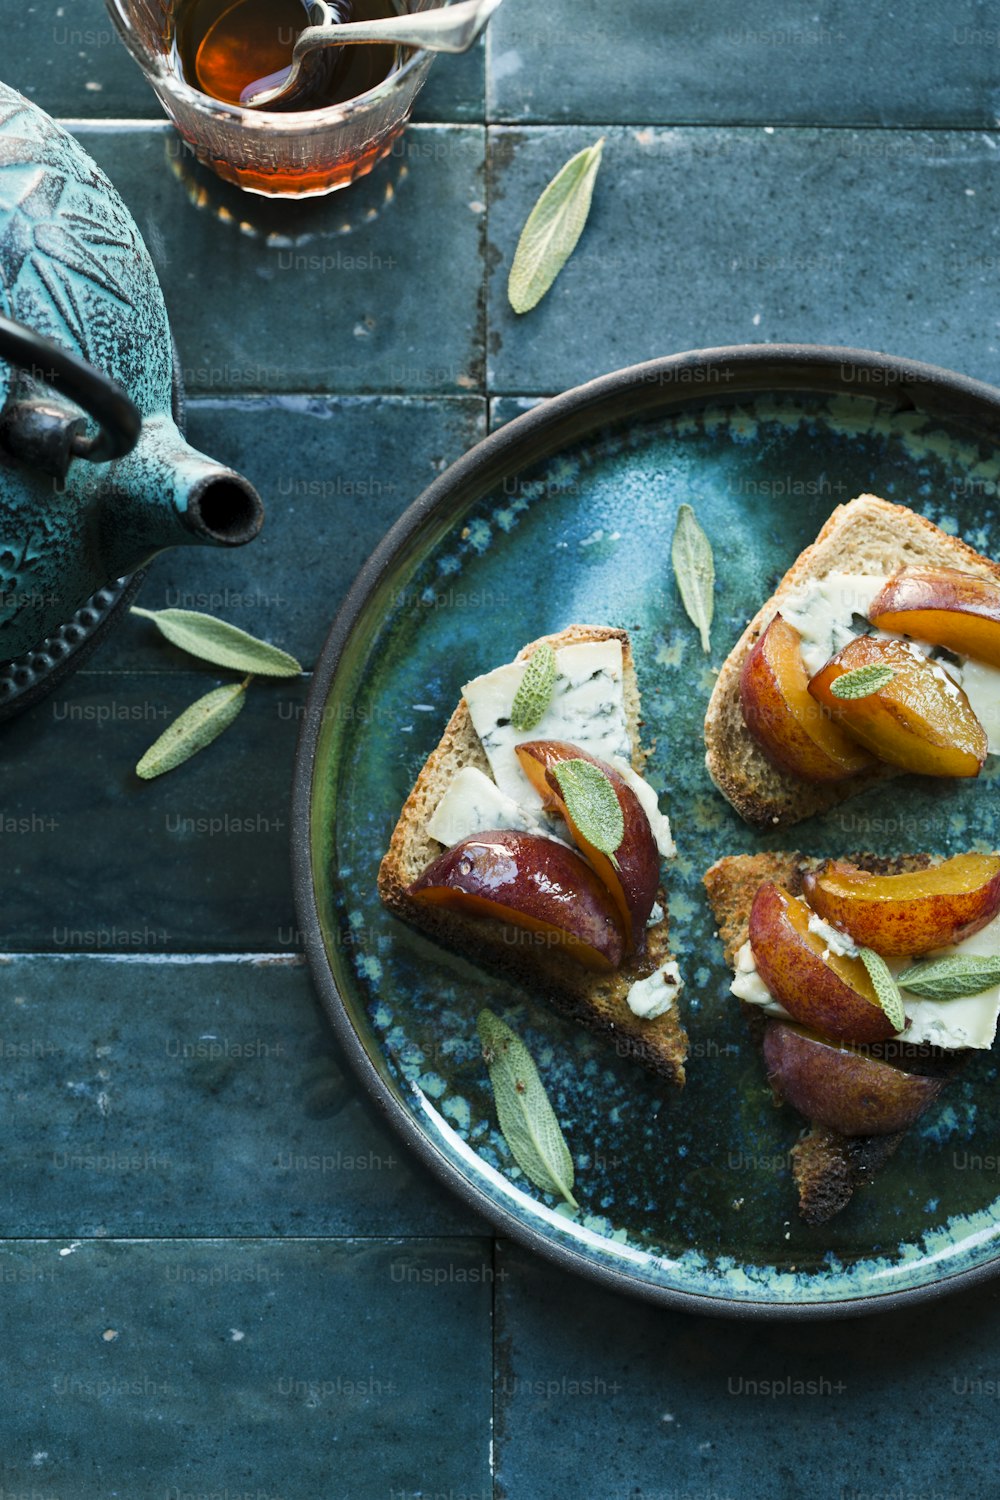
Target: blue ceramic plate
{"x": 566, "y": 514}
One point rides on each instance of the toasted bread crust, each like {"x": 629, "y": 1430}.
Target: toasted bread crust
{"x": 827, "y": 1167}
{"x": 885, "y": 537}
{"x": 595, "y": 1000}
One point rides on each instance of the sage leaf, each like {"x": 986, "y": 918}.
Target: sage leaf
{"x": 527, "y": 1119}
{"x": 951, "y": 978}
{"x": 192, "y": 730}
{"x": 862, "y": 682}
{"x": 885, "y": 987}
{"x": 535, "y": 691}
{"x": 221, "y": 644}
{"x": 694, "y": 569}
{"x": 552, "y": 229}
{"x": 592, "y": 803}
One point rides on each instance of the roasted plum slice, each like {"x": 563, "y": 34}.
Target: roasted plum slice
{"x": 820, "y": 988}
{"x": 633, "y": 875}
{"x": 792, "y": 728}
{"x": 920, "y": 720}
{"x": 945, "y": 607}
{"x": 845, "y": 1089}
{"x": 531, "y": 882}
{"x": 911, "y": 913}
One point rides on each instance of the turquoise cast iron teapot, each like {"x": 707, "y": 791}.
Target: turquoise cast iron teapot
{"x": 95, "y": 477}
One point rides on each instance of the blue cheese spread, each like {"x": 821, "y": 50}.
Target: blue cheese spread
{"x": 981, "y": 685}
{"x": 822, "y": 610}
{"x": 836, "y": 941}
{"x": 655, "y": 995}
{"x": 472, "y": 803}
{"x": 587, "y": 709}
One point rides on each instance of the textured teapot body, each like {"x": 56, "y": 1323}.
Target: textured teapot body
{"x": 74, "y": 269}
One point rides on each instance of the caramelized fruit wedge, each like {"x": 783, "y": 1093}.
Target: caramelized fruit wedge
{"x": 842, "y": 1088}
{"x": 816, "y": 986}
{"x": 920, "y": 721}
{"x": 533, "y": 883}
{"x": 790, "y": 726}
{"x": 635, "y": 881}
{"x": 944, "y": 606}
{"x": 910, "y": 913}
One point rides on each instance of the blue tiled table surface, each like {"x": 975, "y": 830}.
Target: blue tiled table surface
{"x": 222, "y": 1274}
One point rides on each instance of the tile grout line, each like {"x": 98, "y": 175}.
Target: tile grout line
{"x": 873, "y": 127}
{"x": 75, "y": 123}
{"x": 487, "y": 186}
{"x": 238, "y": 1239}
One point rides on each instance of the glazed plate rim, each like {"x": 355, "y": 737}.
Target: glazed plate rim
{"x": 692, "y": 378}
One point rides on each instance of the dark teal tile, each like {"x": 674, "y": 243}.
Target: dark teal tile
{"x": 735, "y": 62}
{"x": 246, "y": 1371}
{"x": 334, "y": 476}
{"x": 65, "y": 54}
{"x": 376, "y": 290}
{"x": 151, "y": 1097}
{"x": 455, "y": 88}
{"x": 658, "y": 1405}
{"x": 701, "y": 237}
{"x": 97, "y": 860}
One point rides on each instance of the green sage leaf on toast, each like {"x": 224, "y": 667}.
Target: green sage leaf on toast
{"x": 694, "y": 569}
{"x": 862, "y": 682}
{"x": 535, "y": 691}
{"x": 885, "y": 987}
{"x": 552, "y": 229}
{"x": 220, "y": 643}
{"x": 192, "y": 730}
{"x": 592, "y": 803}
{"x": 952, "y": 978}
{"x": 527, "y": 1119}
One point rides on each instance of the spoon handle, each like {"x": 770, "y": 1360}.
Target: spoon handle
{"x": 448, "y": 28}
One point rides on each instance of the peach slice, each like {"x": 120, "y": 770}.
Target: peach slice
{"x": 816, "y": 986}
{"x": 634, "y": 880}
{"x": 944, "y": 606}
{"x": 920, "y": 721}
{"x": 910, "y": 913}
{"x": 842, "y": 1088}
{"x": 786, "y": 721}
{"x": 535, "y": 884}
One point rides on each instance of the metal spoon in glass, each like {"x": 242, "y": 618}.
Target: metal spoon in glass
{"x": 451, "y": 28}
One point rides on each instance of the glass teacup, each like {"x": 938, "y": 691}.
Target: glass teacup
{"x": 281, "y": 155}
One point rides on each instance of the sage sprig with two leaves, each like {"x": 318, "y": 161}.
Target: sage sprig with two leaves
{"x": 527, "y": 1119}
{"x": 223, "y": 645}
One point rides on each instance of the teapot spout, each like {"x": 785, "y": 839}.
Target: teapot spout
{"x": 167, "y": 494}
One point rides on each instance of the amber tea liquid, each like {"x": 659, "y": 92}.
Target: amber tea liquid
{"x": 222, "y": 47}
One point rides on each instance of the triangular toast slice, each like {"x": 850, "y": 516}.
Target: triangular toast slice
{"x": 597, "y": 1000}
{"x": 827, "y": 1167}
